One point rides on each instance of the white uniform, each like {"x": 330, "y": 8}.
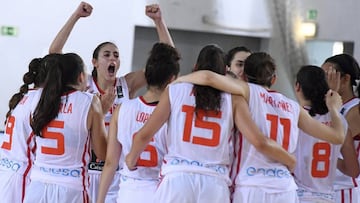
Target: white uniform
{"x": 277, "y": 117}
{"x": 96, "y": 165}
{"x": 316, "y": 165}
{"x": 196, "y": 167}
{"x": 347, "y": 188}
{"x": 144, "y": 180}
{"x": 16, "y": 147}
{"x": 59, "y": 173}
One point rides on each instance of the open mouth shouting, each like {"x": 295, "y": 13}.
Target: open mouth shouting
{"x": 111, "y": 69}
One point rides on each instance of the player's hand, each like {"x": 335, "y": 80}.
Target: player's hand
{"x": 107, "y": 99}
{"x": 153, "y": 12}
{"x": 333, "y": 100}
{"x": 292, "y": 164}
{"x": 130, "y": 162}
{"x": 333, "y": 78}
{"x": 83, "y": 10}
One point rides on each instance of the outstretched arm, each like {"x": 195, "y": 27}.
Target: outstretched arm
{"x": 146, "y": 133}
{"x": 83, "y": 10}
{"x": 221, "y": 82}
{"x": 153, "y": 11}
{"x": 252, "y": 133}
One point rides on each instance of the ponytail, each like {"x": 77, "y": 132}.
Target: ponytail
{"x": 28, "y": 79}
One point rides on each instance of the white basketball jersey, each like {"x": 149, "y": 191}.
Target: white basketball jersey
{"x": 63, "y": 151}
{"x": 133, "y": 115}
{"x": 343, "y": 181}
{"x": 122, "y": 93}
{"x": 316, "y": 160}
{"x": 201, "y": 142}
{"x": 17, "y": 143}
{"x": 277, "y": 117}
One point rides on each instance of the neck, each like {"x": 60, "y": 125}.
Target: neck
{"x": 104, "y": 84}
{"x": 152, "y": 94}
{"x": 347, "y": 95}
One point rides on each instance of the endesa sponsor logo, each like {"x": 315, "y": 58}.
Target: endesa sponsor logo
{"x": 75, "y": 173}
{"x": 268, "y": 172}
{"x": 9, "y": 164}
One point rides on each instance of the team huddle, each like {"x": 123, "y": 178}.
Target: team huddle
{"x": 219, "y": 134}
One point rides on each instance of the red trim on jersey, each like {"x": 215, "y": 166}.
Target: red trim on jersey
{"x": 97, "y": 86}
{"x": 147, "y": 103}
{"x": 27, "y": 170}
{"x": 349, "y": 100}
{"x": 85, "y": 192}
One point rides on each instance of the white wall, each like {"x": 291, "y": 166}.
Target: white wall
{"x": 38, "y": 21}
{"x": 337, "y": 20}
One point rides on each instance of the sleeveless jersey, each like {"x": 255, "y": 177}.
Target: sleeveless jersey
{"x": 17, "y": 143}
{"x": 198, "y": 143}
{"x": 277, "y": 117}
{"x": 133, "y": 115}
{"x": 62, "y": 154}
{"x": 317, "y": 159}
{"x": 122, "y": 93}
{"x": 343, "y": 181}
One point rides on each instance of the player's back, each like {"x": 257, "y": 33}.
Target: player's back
{"x": 132, "y": 116}
{"x": 17, "y": 143}
{"x": 62, "y": 152}
{"x": 198, "y": 142}
{"x": 277, "y": 117}
{"x": 317, "y": 160}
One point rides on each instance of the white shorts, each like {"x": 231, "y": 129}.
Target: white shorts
{"x": 254, "y": 194}
{"x": 351, "y": 195}
{"x": 136, "y": 190}
{"x": 40, "y": 192}
{"x": 12, "y": 186}
{"x": 94, "y": 187}
{"x": 182, "y": 187}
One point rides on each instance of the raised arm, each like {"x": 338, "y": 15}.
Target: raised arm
{"x": 221, "y": 82}
{"x": 83, "y": 10}
{"x": 252, "y": 133}
{"x": 153, "y": 11}
{"x": 146, "y": 133}
{"x": 136, "y": 80}
{"x": 113, "y": 154}
{"x": 335, "y": 133}
{"x": 96, "y": 125}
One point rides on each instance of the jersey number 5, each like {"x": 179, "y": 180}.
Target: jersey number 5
{"x": 200, "y": 123}
{"x": 59, "y": 137}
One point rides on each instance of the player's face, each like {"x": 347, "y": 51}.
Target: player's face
{"x": 108, "y": 62}
{"x": 237, "y": 64}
